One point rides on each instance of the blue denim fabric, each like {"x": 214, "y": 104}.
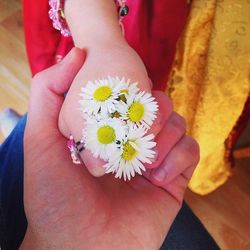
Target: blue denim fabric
{"x": 12, "y": 217}
{"x": 186, "y": 233}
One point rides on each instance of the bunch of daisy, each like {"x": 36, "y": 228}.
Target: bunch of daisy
{"x": 117, "y": 118}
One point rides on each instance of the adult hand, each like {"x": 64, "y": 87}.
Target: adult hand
{"x": 66, "y": 207}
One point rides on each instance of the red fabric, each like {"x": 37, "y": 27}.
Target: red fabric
{"x": 152, "y": 28}
{"x": 41, "y": 38}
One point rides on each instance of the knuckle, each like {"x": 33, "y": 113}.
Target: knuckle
{"x": 38, "y": 80}
{"x": 38, "y": 77}
{"x": 178, "y": 123}
{"x": 182, "y": 122}
{"x": 169, "y": 104}
{"x": 192, "y": 146}
{"x": 165, "y": 104}
{"x": 35, "y": 83}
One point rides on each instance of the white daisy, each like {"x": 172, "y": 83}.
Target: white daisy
{"x": 100, "y": 96}
{"x": 127, "y": 88}
{"x": 139, "y": 109}
{"x": 96, "y": 117}
{"x": 129, "y": 157}
{"x": 102, "y": 137}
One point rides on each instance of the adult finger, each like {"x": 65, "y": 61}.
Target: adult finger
{"x": 171, "y": 133}
{"x": 184, "y": 155}
{"x": 49, "y": 86}
{"x": 163, "y": 113}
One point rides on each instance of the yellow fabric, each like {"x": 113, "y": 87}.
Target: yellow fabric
{"x": 210, "y": 81}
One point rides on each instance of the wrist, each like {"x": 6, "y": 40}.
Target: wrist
{"x": 32, "y": 242}
{"x": 93, "y": 22}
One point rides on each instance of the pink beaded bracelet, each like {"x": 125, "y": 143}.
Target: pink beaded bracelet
{"x": 56, "y": 14}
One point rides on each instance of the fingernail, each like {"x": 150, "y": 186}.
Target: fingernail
{"x": 94, "y": 165}
{"x": 159, "y": 174}
{"x": 98, "y": 171}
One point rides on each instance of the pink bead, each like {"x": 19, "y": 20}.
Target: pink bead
{"x": 70, "y": 144}
{"x": 59, "y": 23}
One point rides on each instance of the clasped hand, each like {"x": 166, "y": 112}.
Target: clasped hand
{"x": 68, "y": 208}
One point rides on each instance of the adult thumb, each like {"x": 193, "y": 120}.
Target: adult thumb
{"x": 48, "y": 88}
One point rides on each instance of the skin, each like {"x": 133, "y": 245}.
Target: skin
{"x": 108, "y": 53}
{"x": 68, "y": 208}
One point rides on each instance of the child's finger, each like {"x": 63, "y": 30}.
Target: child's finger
{"x": 74, "y": 128}
{"x": 94, "y": 165}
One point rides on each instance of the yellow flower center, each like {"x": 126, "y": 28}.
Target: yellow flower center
{"x": 102, "y": 93}
{"x": 136, "y": 112}
{"x": 128, "y": 152}
{"x": 106, "y": 135}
